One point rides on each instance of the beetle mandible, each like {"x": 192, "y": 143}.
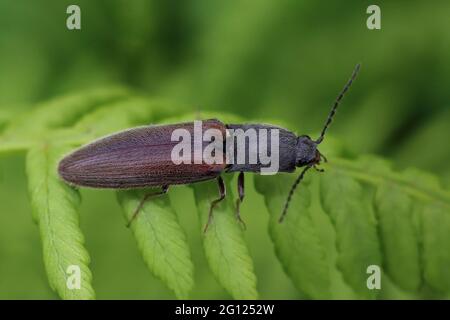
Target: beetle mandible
{"x": 141, "y": 157}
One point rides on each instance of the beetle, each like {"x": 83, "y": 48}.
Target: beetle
{"x": 141, "y": 157}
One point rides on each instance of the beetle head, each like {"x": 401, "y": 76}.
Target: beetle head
{"x": 307, "y": 152}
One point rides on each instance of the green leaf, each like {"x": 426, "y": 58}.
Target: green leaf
{"x": 114, "y": 117}
{"x": 360, "y": 213}
{"x": 305, "y": 241}
{"x": 399, "y": 236}
{"x": 436, "y": 251}
{"x": 124, "y": 114}
{"x": 224, "y": 244}
{"x": 32, "y": 127}
{"x": 356, "y": 235}
{"x": 55, "y": 207}
{"x": 161, "y": 239}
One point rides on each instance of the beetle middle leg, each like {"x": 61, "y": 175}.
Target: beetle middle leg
{"x": 241, "y": 193}
{"x": 148, "y": 196}
{"x": 222, "y": 193}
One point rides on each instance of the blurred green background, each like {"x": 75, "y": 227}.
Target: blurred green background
{"x": 260, "y": 59}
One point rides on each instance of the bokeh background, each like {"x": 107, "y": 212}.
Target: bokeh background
{"x": 260, "y": 59}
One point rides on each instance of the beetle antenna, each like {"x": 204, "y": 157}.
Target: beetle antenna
{"x": 336, "y": 103}
{"x": 291, "y": 192}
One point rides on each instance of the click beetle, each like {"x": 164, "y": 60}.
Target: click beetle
{"x": 142, "y": 157}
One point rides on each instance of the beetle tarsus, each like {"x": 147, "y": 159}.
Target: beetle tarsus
{"x": 144, "y": 199}
{"x": 319, "y": 169}
{"x": 222, "y": 193}
{"x": 238, "y": 215}
{"x": 323, "y": 158}
{"x": 241, "y": 192}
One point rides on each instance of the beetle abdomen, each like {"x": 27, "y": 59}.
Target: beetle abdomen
{"x": 135, "y": 158}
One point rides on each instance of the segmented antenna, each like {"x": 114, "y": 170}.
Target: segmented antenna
{"x": 294, "y": 186}
{"x": 336, "y": 103}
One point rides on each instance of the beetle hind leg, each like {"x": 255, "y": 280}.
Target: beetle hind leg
{"x": 241, "y": 192}
{"x": 148, "y": 196}
{"x": 222, "y": 193}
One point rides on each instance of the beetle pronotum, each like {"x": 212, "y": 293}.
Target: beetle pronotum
{"x": 141, "y": 157}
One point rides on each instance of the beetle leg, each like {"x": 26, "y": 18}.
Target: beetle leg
{"x": 148, "y": 196}
{"x": 222, "y": 193}
{"x": 241, "y": 193}
{"x": 318, "y": 169}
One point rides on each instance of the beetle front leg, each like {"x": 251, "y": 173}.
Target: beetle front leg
{"x": 241, "y": 192}
{"x": 148, "y": 196}
{"x": 222, "y": 193}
